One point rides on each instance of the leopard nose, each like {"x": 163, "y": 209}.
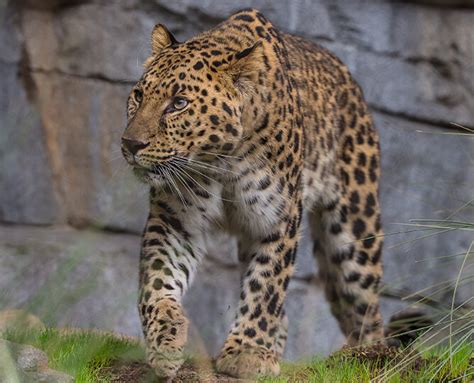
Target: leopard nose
{"x": 134, "y": 146}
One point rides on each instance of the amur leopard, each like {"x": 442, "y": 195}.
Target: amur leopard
{"x": 246, "y": 127}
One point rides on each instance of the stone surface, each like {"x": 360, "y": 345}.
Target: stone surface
{"x": 426, "y": 174}
{"x": 26, "y": 179}
{"x": 71, "y": 278}
{"x": 83, "y": 121}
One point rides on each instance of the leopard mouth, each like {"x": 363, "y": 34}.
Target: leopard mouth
{"x": 144, "y": 173}
{"x": 155, "y": 173}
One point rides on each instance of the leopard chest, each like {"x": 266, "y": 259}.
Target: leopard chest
{"x": 254, "y": 203}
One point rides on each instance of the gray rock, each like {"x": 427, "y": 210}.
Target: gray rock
{"x": 95, "y": 185}
{"x": 10, "y": 45}
{"x": 72, "y": 278}
{"x": 88, "y": 40}
{"x": 27, "y": 358}
{"x": 425, "y": 175}
{"x": 24, "y": 363}
{"x": 26, "y": 179}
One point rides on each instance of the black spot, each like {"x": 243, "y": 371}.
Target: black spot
{"x": 157, "y": 284}
{"x": 376, "y": 257}
{"x": 214, "y": 119}
{"x": 286, "y": 282}
{"x": 361, "y": 309}
{"x": 198, "y": 65}
{"x": 369, "y": 205}
{"x": 204, "y": 109}
{"x": 230, "y": 129}
{"x": 175, "y": 89}
{"x": 354, "y": 276}
{"x": 256, "y": 313}
{"x": 263, "y": 259}
{"x": 255, "y": 285}
{"x": 175, "y": 224}
{"x": 264, "y": 183}
{"x": 250, "y": 332}
{"x": 277, "y": 269}
{"x": 244, "y": 309}
{"x": 362, "y": 159}
{"x": 260, "y": 31}
{"x": 359, "y": 176}
{"x": 185, "y": 270}
{"x": 227, "y": 108}
{"x": 273, "y": 304}
{"x": 228, "y": 146}
{"x": 362, "y": 258}
{"x": 343, "y": 214}
{"x": 214, "y": 138}
{"x": 264, "y": 123}
{"x": 332, "y": 205}
{"x": 358, "y": 228}
{"x": 369, "y": 241}
{"x": 288, "y": 256}
{"x": 271, "y": 238}
{"x": 262, "y": 324}
{"x": 343, "y": 254}
{"x": 373, "y": 168}
{"x": 156, "y": 229}
{"x": 369, "y": 279}
{"x": 245, "y": 18}
{"x": 336, "y": 228}
{"x": 157, "y": 264}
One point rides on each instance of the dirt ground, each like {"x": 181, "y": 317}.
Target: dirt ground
{"x": 138, "y": 372}
{"x": 376, "y": 356}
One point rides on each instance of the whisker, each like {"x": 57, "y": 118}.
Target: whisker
{"x": 207, "y": 191}
{"x": 205, "y": 165}
{"x": 172, "y": 182}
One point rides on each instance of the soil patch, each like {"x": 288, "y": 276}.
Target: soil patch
{"x": 140, "y": 372}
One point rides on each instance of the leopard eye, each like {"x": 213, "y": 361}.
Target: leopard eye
{"x": 138, "y": 94}
{"x": 179, "y": 103}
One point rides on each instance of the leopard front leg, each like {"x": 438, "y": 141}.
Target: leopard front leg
{"x": 169, "y": 258}
{"x": 252, "y": 346}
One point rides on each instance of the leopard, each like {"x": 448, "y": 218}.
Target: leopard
{"x": 246, "y": 128}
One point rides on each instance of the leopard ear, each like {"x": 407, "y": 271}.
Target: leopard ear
{"x": 161, "y": 38}
{"x": 247, "y": 63}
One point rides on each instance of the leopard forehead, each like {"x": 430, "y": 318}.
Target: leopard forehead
{"x": 194, "y": 67}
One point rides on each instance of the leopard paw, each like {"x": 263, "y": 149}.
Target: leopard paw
{"x": 248, "y": 362}
{"x": 165, "y": 340}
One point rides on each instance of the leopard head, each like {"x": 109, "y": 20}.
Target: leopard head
{"x": 190, "y": 104}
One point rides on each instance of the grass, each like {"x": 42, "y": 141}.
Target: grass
{"x": 80, "y": 354}
{"x": 372, "y": 364}
{"x": 97, "y": 357}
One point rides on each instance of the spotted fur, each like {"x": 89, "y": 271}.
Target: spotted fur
{"x": 246, "y": 128}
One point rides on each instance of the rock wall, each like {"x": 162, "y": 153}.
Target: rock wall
{"x": 66, "y": 68}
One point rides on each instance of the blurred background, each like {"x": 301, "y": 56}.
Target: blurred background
{"x": 71, "y": 212}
